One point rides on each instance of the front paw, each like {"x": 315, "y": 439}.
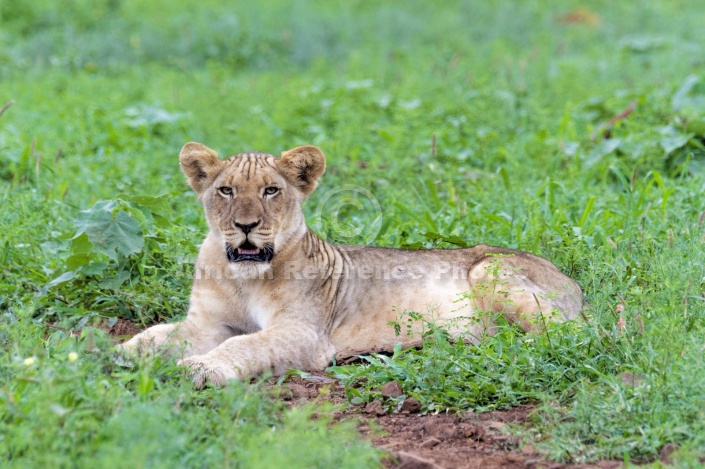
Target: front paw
{"x": 138, "y": 345}
{"x": 204, "y": 369}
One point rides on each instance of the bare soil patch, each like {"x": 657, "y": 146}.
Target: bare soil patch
{"x": 416, "y": 441}
{"x": 124, "y": 329}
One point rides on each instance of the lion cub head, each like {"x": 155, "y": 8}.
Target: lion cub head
{"x": 253, "y": 200}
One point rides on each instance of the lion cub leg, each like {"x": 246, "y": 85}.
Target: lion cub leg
{"x": 181, "y": 339}
{"x": 278, "y": 348}
{"x": 502, "y": 285}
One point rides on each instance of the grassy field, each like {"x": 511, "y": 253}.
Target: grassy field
{"x": 574, "y": 130}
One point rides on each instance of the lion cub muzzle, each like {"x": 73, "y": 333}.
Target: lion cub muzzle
{"x": 249, "y": 252}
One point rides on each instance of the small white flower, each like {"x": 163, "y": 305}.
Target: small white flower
{"x": 73, "y": 356}
{"x": 29, "y": 361}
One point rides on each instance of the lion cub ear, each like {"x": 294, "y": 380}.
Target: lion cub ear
{"x": 302, "y": 166}
{"x": 200, "y": 164}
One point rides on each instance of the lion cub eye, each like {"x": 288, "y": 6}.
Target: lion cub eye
{"x": 225, "y": 190}
{"x": 271, "y": 190}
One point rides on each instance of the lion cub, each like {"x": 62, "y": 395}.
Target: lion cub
{"x": 268, "y": 294}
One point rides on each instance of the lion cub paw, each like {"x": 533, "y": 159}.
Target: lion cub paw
{"x": 141, "y": 344}
{"x": 204, "y": 369}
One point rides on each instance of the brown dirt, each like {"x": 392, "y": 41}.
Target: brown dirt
{"x": 416, "y": 441}
{"x": 124, "y": 329}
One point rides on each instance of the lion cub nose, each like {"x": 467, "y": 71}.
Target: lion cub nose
{"x": 246, "y": 228}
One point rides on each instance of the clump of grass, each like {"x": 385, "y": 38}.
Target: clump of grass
{"x": 504, "y": 370}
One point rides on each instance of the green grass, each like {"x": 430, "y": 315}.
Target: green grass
{"x": 516, "y": 98}
{"x": 70, "y": 405}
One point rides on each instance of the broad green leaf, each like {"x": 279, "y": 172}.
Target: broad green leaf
{"x": 65, "y": 277}
{"x": 114, "y": 234}
{"x": 115, "y": 282}
{"x": 158, "y": 205}
{"x": 671, "y": 143}
{"x": 690, "y": 96}
{"x": 80, "y": 244}
{"x": 94, "y": 268}
{"x": 75, "y": 261}
{"x": 672, "y": 139}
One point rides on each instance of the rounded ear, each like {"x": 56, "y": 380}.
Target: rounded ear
{"x": 200, "y": 164}
{"x": 302, "y": 166}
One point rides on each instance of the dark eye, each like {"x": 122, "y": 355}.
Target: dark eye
{"x": 271, "y": 190}
{"x": 226, "y": 190}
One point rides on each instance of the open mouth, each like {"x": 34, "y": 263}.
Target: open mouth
{"x": 249, "y": 252}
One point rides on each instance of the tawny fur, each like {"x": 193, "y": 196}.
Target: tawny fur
{"x": 315, "y": 301}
